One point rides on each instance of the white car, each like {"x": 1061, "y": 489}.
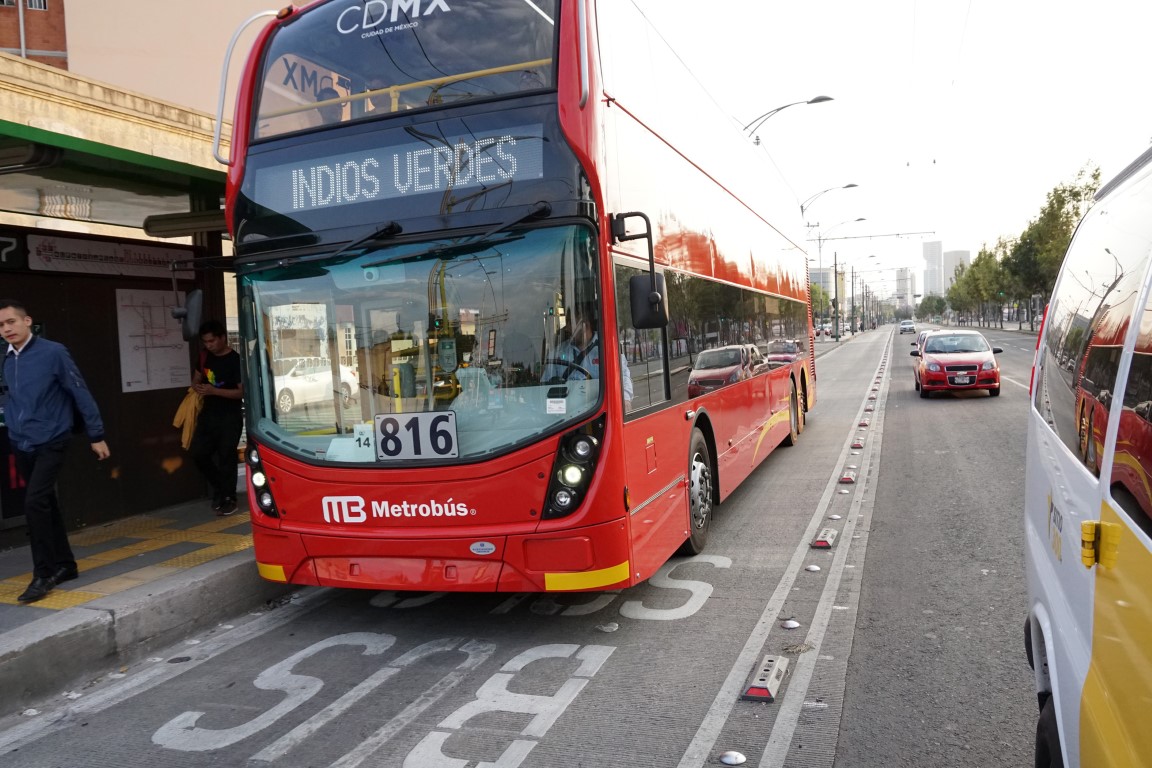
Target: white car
{"x": 907, "y": 326}
{"x": 311, "y": 381}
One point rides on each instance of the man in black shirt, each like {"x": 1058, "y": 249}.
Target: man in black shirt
{"x": 213, "y": 447}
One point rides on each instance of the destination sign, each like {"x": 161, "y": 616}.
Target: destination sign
{"x": 419, "y": 167}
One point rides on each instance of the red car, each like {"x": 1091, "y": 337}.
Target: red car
{"x": 781, "y": 352}
{"x": 954, "y": 361}
{"x": 719, "y": 367}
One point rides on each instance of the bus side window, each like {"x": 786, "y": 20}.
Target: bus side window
{"x": 1132, "y": 467}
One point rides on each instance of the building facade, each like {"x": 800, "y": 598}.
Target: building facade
{"x": 35, "y": 30}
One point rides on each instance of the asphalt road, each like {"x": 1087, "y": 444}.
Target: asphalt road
{"x": 907, "y": 649}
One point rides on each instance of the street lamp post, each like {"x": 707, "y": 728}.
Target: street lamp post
{"x": 759, "y": 121}
{"x": 804, "y": 206}
{"x": 821, "y": 237}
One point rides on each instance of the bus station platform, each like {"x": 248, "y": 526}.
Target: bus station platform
{"x": 145, "y": 582}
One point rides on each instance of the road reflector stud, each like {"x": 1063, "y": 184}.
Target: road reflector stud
{"x": 766, "y": 680}
{"x": 871, "y": 397}
{"x": 825, "y": 539}
{"x": 858, "y": 444}
{"x": 848, "y": 477}
{"x": 869, "y": 408}
{"x": 863, "y": 422}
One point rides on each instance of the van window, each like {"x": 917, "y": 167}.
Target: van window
{"x": 1132, "y": 467}
{"x": 1088, "y": 319}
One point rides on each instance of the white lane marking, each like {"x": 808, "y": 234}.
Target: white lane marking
{"x": 1020, "y": 384}
{"x": 795, "y": 695}
{"x": 181, "y": 732}
{"x": 699, "y": 750}
{"x": 149, "y": 677}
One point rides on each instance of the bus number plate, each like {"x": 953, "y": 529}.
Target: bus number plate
{"x": 416, "y": 436}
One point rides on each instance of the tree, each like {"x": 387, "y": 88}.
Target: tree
{"x": 1034, "y": 259}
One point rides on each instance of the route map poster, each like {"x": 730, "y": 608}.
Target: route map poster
{"x": 153, "y": 353}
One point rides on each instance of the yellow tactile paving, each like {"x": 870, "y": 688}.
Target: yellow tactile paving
{"x": 124, "y": 581}
{"x": 220, "y": 524}
{"x": 56, "y": 600}
{"x": 209, "y": 553}
{"x": 133, "y": 528}
{"x": 149, "y": 535}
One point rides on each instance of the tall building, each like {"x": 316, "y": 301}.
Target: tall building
{"x": 906, "y": 291}
{"x": 934, "y": 283}
{"x": 34, "y": 30}
{"x": 950, "y": 260}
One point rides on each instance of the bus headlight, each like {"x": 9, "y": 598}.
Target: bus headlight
{"x": 258, "y": 479}
{"x": 573, "y": 468}
{"x": 571, "y": 475}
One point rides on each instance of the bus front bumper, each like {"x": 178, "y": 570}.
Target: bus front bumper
{"x": 586, "y": 559}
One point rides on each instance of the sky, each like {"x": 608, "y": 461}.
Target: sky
{"x": 955, "y": 118}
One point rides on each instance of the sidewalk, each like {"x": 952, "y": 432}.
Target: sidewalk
{"x": 145, "y": 582}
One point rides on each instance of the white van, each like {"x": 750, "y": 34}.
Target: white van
{"x": 1088, "y": 492}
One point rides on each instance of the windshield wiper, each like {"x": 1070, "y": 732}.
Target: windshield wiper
{"x": 391, "y": 229}
{"x": 475, "y": 242}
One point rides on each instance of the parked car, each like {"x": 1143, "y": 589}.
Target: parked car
{"x": 781, "y": 352}
{"x": 310, "y": 380}
{"x": 956, "y": 361}
{"x": 907, "y": 326}
{"x": 715, "y": 368}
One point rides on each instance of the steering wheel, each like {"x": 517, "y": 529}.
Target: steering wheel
{"x": 570, "y": 368}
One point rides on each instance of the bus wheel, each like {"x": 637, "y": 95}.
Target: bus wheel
{"x": 285, "y": 401}
{"x": 794, "y": 416}
{"x": 699, "y": 495}
{"x": 1048, "y": 738}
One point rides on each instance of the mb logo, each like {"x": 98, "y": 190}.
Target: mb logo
{"x": 344, "y": 509}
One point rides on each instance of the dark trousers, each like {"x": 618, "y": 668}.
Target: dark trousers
{"x": 213, "y": 448}
{"x": 40, "y": 468}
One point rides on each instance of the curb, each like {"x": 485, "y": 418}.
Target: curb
{"x": 42, "y": 658}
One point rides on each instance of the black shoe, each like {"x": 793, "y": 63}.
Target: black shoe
{"x": 37, "y": 590}
{"x": 227, "y": 508}
{"x": 65, "y": 573}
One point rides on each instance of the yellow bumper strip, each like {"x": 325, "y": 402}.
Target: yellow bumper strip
{"x": 565, "y": 582}
{"x": 271, "y": 572}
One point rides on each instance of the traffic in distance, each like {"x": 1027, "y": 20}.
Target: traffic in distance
{"x": 665, "y": 673}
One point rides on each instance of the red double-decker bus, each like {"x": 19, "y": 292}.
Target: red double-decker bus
{"x": 481, "y": 246}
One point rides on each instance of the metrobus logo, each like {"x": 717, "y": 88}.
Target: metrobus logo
{"x": 352, "y": 509}
{"x": 375, "y": 12}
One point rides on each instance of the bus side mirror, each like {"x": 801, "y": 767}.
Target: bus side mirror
{"x": 189, "y": 314}
{"x": 649, "y": 307}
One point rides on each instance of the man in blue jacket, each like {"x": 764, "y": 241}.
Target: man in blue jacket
{"x": 45, "y": 392}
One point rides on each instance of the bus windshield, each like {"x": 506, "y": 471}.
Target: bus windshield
{"x": 477, "y": 330}
{"x": 345, "y": 61}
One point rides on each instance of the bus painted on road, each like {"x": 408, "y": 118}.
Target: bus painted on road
{"x": 516, "y": 225}
{"x": 1088, "y": 490}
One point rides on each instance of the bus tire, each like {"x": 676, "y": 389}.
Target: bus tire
{"x": 700, "y": 479}
{"x": 1048, "y": 753}
{"x": 794, "y": 417}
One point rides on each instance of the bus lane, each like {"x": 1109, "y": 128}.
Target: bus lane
{"x": 651, "y": 676}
